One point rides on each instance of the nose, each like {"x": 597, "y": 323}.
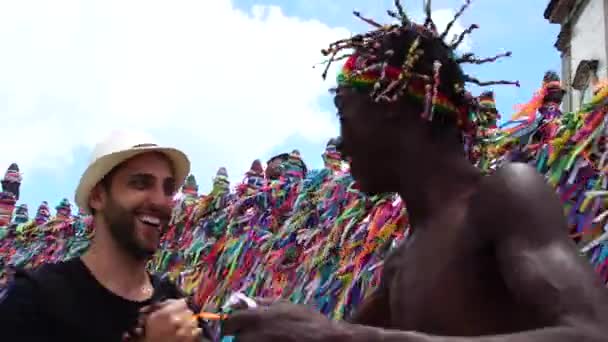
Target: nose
{"x": 339, "y": 144}
{"x": 340, "y": 147}
{"x": 159, "y": 197}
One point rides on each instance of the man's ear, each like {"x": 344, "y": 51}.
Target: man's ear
{"x": 97, "y": 198}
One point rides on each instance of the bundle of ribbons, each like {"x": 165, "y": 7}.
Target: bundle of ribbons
{"x": 570, "y": 149}
{"x": 309, "y": 236}
{"x": 27, "y": 243}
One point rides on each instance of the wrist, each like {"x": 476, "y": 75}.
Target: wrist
{"x": 349, "y": 332}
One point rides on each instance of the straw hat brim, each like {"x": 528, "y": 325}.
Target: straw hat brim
{"x": 102, "y": 166}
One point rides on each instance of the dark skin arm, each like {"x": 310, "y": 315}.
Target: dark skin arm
{"x": 372, "y": 309}
{"x": 523, "y": 220}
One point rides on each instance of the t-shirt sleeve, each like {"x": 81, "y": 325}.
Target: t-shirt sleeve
{"x": 20, "y": 317}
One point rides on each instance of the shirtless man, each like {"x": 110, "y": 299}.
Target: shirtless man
{"x": 489, "y": 259}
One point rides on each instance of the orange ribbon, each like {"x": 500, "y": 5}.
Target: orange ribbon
{"x": 211, "y": 316}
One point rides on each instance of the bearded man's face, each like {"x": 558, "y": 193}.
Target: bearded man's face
{"x": 136, "y": 205}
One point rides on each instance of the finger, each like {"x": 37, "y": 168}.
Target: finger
{"x": 153, "y": 307}
{"x": 170, "y": 307}
{"x": 179, "y": 321}
{"x": 134, "y": 333}
{"x": 187, "y": 319}
{"x": 266, "y": 301}
{"x": 183, "y": 320}
{"x": 148, "y": 308}
{"x": 177, "y": 306}
{"x": 240, "y": 305}
{"x": 189, "y": 334}
{"x": 244, "y": 320}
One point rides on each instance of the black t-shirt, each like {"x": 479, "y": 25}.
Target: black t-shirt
{"x": 64, "y": 302}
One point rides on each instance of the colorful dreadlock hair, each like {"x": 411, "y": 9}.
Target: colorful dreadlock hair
{"x": 408, "y": 59}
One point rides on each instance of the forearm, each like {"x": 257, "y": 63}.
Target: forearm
{"x": 360, "y": 333}
{"x": 372, "y": 312}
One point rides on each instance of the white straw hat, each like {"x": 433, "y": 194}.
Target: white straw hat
{"x": 118, "y": 148}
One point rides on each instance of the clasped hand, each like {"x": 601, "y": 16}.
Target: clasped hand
{"x": 170, "y": 321}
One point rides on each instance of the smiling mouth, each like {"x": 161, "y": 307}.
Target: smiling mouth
{"x": 150, "y": 221}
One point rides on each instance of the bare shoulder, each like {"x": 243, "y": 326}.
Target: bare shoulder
{"x": 523, "y": 219}
{"x": 518, "y": 176}
{"x": 517, "y": 200}
{"x": 516, "y": 181}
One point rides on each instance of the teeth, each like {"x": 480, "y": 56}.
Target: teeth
{"x": 150, "y": 220}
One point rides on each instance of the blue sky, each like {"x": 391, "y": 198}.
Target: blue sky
{"x": 228, "y": 82}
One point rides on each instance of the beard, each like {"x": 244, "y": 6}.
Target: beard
{"x": 121, "y": 225}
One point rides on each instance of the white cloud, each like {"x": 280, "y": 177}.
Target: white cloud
{"x": 224, "y": 84}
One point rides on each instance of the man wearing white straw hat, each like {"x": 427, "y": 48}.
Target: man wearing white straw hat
{"x": 128, "y": 188}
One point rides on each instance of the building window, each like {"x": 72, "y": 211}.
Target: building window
{"x": 585, "y": 78}
{"x": 567, "y": 79}
{"x": 586, "y": 93}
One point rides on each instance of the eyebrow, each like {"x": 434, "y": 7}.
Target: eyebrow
{"x": 141, "y": 175}
{"x": 149, "y": 175}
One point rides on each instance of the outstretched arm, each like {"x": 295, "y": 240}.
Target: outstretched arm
{"x": 373, "y": 310}
{"x": 557, "y": 334}
{"x": 521, "y": 217}
{"x": 541, "y": 267}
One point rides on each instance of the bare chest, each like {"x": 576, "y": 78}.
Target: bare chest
{"x": 444, "y": 281}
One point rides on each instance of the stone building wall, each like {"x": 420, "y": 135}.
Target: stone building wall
{"x": 583, "y": 43}
{"x": 588, "y": 42}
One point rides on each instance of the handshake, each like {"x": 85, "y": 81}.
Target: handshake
{"x": 245, "y": 320}
{"x": 173, "y": 320}
{"x": 167, "y": 321}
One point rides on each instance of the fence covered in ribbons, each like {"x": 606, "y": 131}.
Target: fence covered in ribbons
{"x": 571, "y": 150}
{"x": 310, "y": 236}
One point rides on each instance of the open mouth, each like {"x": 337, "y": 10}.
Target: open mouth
{"x": 151, "y": 221}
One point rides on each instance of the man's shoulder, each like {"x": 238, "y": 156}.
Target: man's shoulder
{"x": 24, "y": 288}
{"x": 507, "y": 189}
{"x": 516, "y": 197}
{"x": 32, "y": 282}
{"x": 47, "y": 272}
{"x": 514, "y": 179}
{"x": 34, "y": 298}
